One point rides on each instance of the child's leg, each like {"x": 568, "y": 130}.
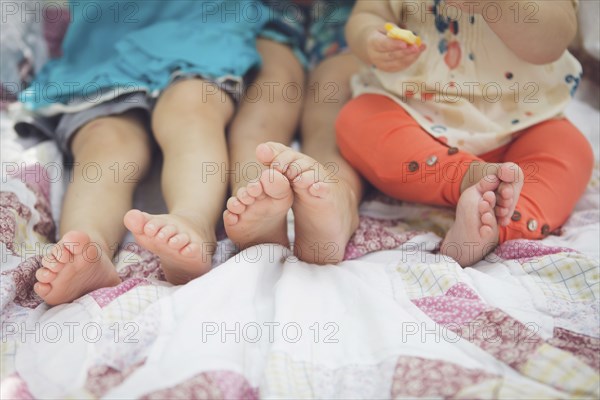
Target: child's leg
{"x": 189, "y": 125}
{"x": 111, "y": 155}
{"x": 395, "y": 154}
{"x": 328, "y": 190}
{"x": 558, "y": 161}
{"x": 269, "y": 112}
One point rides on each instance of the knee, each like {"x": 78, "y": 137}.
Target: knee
{"x": 105, "y": 142}
{"x": 188, "y": 103}
{"x": 586, "y": 154}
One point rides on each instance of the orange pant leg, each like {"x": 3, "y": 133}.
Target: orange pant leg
{"x": 389, "y": 148}
{"x": 392, "y": 151}
{"x": 557, "y": 161}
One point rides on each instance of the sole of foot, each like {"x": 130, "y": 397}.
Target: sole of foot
{"x": 75, "y": 266}
{"x": 185, "y": 254}
{"x": 258, "y": 212}
{"x": 325, "y": 207}
{"x": 474, "y": 233}
{"x": 511, "y": 182}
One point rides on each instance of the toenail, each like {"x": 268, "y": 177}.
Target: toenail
{"x": 516, "y": 216}
{"x": 161, "y": 235}
{"x": 413, "y": 166}
{"x": 150, "y": 226}
{"x": 174, "y": 240}
{"x": 431, "y": 160}
{"x": 532, "y": 225}
{"x": 452, "y": 150}
{"x": 545, "y": 229}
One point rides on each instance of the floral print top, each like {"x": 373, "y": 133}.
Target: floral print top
{"x": 468, "y": 89}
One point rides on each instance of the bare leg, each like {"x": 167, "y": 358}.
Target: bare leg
{"x": 111, "y": 155}
{"x": 189, "y": 125}
{"x": 269, "y": 112}
{"x": 327, "y": 190}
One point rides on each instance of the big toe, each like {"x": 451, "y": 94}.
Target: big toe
{"x": 274, "y": 184}
{"x": 266, "y": 152}
{"x": 488, "y": 183}
{"x": 510, "y": 172}
{"x": 135, "y": 220}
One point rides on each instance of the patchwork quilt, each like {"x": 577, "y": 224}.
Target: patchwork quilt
{"x": 394, "y": 320}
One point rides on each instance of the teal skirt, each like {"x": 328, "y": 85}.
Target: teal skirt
{"x": 120, "y": 46}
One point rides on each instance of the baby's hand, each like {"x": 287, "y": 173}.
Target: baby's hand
{"x": 391, "y": 55}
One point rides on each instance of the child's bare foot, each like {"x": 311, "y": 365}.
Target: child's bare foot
{"x": 74, "y": 267}
{"x": 475, "y": 231}
{"x": 325, "y": 208}
{"x": 184, "y": 253}
{"x": 511, "y": 182}
{"x": 258, "y": 213}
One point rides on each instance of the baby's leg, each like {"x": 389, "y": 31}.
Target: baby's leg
{"x": 557, "y": 161}
{"x": 189, "y": 125}
{"x": 326, "y": 214}
{"x": 391, "y": 150}
{"x": 111, "y": 155}
{"x": 326, "y": 195}
{"x": 269, "y": 112}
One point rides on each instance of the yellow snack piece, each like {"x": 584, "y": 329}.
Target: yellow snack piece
{"x": 406, "y": 36}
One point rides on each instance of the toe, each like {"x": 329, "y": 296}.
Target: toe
{"x": 510, "y": 172}
{"x": 320, "y": 189}
{"x": 166, "y": 233}
{"x": 153, "y": 226}
{"x": 134, "y": 220}
{"x": 60, "y": 253}
{"x": 501, "y": 211}
{"x": 274, "y": 184}
{"x": 485, "y": 231}
{"x": 44, "y": 275}
{"x": 506, "y": 191}
{"x": 483, "y": 207}
{"x": 490, "y": 198}
{"x": 254, "y": 189}
{"x": 178, "y": 241}
{"x": 230, "y": 218}
{"x": 487, "y": 183}
{"x": 235, "y": 206}
{"x": 42, "y": 289}
{"x": 51, "y": 263}
{"x": 274, "y": 155}
{"x": 244, "y": 197}
{"x": 488, "y": 219}
{"x": 189, "y": 250}
{"x": 74, "y": 242}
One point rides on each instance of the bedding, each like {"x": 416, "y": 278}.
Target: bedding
{"x": 394, "y": 320}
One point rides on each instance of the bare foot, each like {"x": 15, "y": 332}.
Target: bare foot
{"x": 184, "y": 253}
{"x": 511, "y": 182}
{"x": 74, "y": 267}
{"x": 325, "y": 208}
{"x": 475, "y": 232}
{"x": 258, "y": 212}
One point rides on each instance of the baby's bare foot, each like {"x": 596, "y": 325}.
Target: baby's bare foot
{"x": 74, "y": 267}
{"x": 184, "y": 252}
{"x": 511, "y": 182}
{"x": 325, "y": 208}
{"x": 475, "y": 232}
{"x": 257, "y": 214}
